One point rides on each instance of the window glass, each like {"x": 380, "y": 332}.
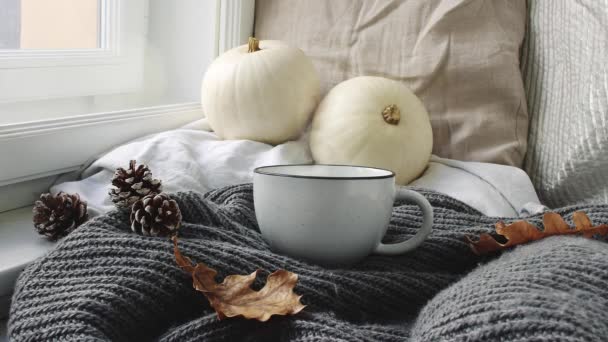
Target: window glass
{"x": 49, "y": 24}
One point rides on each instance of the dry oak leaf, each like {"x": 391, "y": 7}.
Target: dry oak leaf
{"x": 235, "y": 297}
{"x": 522, "y": 232}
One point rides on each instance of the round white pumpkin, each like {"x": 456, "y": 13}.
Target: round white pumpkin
{"x": 264, "y": 91}
{"x": 373, "y": 121}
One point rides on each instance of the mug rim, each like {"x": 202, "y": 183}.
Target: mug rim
{"x": 259, "y": 170}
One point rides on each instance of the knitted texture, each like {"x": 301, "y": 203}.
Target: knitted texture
{"x": 553, "y": 290}
{"x": 104, "y": 283}
{"x": 564, "y": 62}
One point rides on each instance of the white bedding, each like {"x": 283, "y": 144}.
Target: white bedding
{"x": 194, "y": 159}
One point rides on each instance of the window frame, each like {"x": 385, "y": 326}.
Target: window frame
{"x": 27, "y": 156}
{"x": 115, "y": 66}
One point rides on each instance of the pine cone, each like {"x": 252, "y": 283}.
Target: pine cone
{"x": 133, "y": 184}
{"x": 155, "y": 215}
{"x": 56, "y": 216}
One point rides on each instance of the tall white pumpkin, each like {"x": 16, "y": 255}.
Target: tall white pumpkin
{"x": 373, "y": 121}
{"x": 264, "y": 91}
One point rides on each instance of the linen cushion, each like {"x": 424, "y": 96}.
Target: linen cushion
{"x": 461, "y": 57}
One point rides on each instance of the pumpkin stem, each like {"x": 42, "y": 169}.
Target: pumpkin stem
{"x": 254, "y": 45}
{"x": 391, "y": 114}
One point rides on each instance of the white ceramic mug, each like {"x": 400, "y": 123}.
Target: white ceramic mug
{"x": 331, "y": 214}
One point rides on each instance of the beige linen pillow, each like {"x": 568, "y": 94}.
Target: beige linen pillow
{"x": 461, "y": 57}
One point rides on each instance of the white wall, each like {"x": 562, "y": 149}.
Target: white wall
{"x": 181, "y": 45}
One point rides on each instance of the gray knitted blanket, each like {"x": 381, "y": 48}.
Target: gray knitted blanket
{"x": 104, "y": 283}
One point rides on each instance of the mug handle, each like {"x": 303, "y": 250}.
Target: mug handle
{"x": 425, "y": 230}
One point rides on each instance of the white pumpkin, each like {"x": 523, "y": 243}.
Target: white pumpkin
{"x": 373, "y": 121}
{"x": 264, "y": 91}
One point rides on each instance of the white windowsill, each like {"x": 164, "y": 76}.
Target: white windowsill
{"x": 19, "y": 246}
{"x": 78, "y": 138}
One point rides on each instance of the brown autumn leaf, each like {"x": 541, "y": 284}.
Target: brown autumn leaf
{"x": 235, "y": 297}
{"x": 522, "y": 232}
